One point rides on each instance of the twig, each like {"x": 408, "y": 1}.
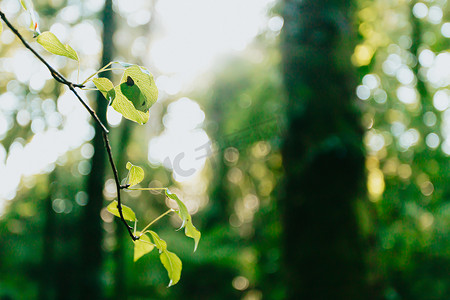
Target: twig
{"x": 118, "y": 186}
{"x": 88, "y": 108}
{"x": 61, "y": 79}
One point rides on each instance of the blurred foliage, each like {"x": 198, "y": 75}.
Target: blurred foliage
{"x": 407, "y": 141}
{"x": 403, "y": 62}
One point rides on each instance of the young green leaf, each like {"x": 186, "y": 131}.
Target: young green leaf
{"x": 192, "y": 232}
{"x": 51, "y": 43}
{"x": 106, "y": 87}
{"x": 128, "y": 213}
{"x": 139, "y": 87}
{"x": 1, "y": 28}
{"x": 159, "y": 243}
{"x": 135, "y": 174}
{"x": 183, "y": 212}
{"x": 126, "y": 108}
{"x": 173, "y": 266}
{"x": 142, "y": 246}
{"x": 189, "y": 228}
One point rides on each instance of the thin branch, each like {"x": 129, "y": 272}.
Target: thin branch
{"x": 88, "y": 108}
{"x": 59, "y": 78}
{"x": 118, "y": 186}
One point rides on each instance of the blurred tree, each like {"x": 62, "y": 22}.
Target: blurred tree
{"x": 91, "y": 230}
{"x": 244, "y": 114}
{"x": 322, "y": 154}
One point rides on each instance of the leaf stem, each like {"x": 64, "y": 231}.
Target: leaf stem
{"x": 111, "y": 69}
{"x": 87, "y": 79}
{"x": 146, "y": 189}
{"x": 154, "y": 221}
{"x": 103, "y": 69}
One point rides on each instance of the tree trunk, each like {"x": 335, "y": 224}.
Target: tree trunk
{"x": 322, "y": 153}
{"x": 91, "y": 226}
{"x": 218, "y": 212}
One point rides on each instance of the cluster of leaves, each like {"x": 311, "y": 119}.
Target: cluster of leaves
{"x": 132, "y": 98}
{"x": 135, "y": 94}
{"x": 137, "y": 90}
{"x": 148, "y": 239}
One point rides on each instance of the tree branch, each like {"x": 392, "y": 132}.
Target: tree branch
{"x": 118, "y": 186}
{"x": 61, "y": 79}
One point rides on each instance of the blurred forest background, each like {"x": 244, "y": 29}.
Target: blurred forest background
{"x": 309, "y": 139}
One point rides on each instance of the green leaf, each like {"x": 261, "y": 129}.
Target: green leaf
{"x": 169, "y": 260}
{"x": 142, "y": 246}
{"x": 183, "y": 212}
{"x": 189, "y": 228}
{"x": 135, "y": 94}
{"x": 159, "y": 243}
{"x": 138, "y": 86}
{"x": 128, "y": 213}
{"x": 192, "y": 232}
{"x": 51, "y": 43}
{"x": 126, "y": 108}
{"x": 106, "y": 87}
{"x": 173, "y": 266}
{"x": 135, "y": 175}
{"x": 1, "y": 28}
